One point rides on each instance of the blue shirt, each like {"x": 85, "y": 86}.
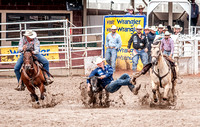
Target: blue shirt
{"x": 194, "y": 10}
{"x": 108, "y": 72}
{"x": 113, "y": 40}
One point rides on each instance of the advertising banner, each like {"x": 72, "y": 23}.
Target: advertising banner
{"x": 126, "y": 26}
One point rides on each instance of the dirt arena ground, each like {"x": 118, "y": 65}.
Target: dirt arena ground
{"x": 65, "y": 107}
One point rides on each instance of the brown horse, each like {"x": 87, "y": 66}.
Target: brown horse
{"x": 32, "y": 75}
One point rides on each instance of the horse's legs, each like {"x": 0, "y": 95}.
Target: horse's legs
{"x": 154, "y": 89}
{"x": 32, "y": 90}
{"x": 159, "y": 94}
{"x": 100, "y": 97}
{"x": 42, "y": 89}
{"x": 166, "y": 91}
{"x": 173, "y": 90}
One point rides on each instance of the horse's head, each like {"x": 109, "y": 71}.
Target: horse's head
{"x": 155, "y": 52}
{"x": 94, "y": 83}
{"x": 28, "y": 59}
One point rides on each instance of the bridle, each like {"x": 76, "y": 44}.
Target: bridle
{"x": 158, "y": 71}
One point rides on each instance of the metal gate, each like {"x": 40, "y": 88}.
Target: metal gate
{"x": 84, "y": 45}
{"x": 53, "y": 33}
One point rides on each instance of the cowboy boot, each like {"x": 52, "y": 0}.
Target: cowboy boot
{"x": 21, "y": 86}
{"x": 136, "y": 89}
{"x": 47, "y": 79}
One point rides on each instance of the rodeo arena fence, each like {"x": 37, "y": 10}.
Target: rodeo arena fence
{"x": 69, "y": 47}
{"x": 63, "y": 49}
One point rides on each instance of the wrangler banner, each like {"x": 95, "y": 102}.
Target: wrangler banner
{"x": 43, "y": 50}
{"x": 126, "y": 26}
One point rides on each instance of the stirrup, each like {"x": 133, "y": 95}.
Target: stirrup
{"x": 20, "y": 87}
{"x": 48, "y": 82}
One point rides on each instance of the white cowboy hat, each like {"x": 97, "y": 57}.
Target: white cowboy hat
{"x": 165, "y": 28}
{"x": 147, "y": 28}
{"x": 167, "y": 33}
{"x": 130, "y": 8}
{"x": 140, "y": 7}
{"x": 31, "y": 34}
{"x": 177, "y": 27}
{"x": 139, "y": 27}
{"x": 160, "y": 26}
{"x": 99, "y": 60}
{"x": 153, "y": 28}
{"x": 113, "y": 27}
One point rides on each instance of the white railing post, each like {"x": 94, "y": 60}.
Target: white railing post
{"x": 196, "y": 60}
{"x": 86, "y": 41}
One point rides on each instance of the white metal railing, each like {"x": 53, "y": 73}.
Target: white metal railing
{"x": 67, "y": 47}
{"x": 85, "y": 41}
{"x": 63, "y": 47}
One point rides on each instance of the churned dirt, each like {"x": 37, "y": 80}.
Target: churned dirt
{"x": 63, "y": 107}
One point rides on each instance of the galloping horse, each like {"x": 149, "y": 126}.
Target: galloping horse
{"x": 161, "y": 74}
{"x": 32, "y": 75}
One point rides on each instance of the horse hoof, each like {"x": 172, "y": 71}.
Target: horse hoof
{"x": 155, "y": 100}
{"x": 42, "y": 97}
{"x": 37, "y": 102}
{"x": 164, "y": 99}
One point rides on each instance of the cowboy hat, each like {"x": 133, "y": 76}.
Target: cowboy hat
{"x": 160, "y": 26}
{"x": 31, "y": 34}
{"x": 147, "y": 28}
{"x": 130, "y": 8}
{"x": 99, "y": 60}
{"x": 139, "y": 27}
{"x": 113, "y": 27}
{"x": 140, "y": 7}
{"x": 153, "y": 28}
{"x": 177, "y": 27}
{"x": 167, "y": 33}
{"x": 165, "y": 28}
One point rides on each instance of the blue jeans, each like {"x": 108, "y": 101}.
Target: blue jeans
{"x": 111, "y": 56}
{"x": 124, "y": 80}
{"x": 19, "y": 63}
{"x": 142, "y": 55}
{"x": 149, "y": 57}
{"x": 166, "y": 53}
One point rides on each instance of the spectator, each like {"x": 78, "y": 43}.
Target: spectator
{"x": 113, "y": 43}
{"x": 130, "y": 10}
{"x": 140, "y": 8}
{"x": 194, "y": 13}
{"x": 151, "y": 37}
{"x": 167, "y": 45}
{"x": 177, "y": 29}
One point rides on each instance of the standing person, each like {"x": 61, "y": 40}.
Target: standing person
{"x": 194, "y": 13}
{"x": 113, "y": 44}
{"x": 160, "y": 30}
{"x": 139, "y": 43}
{"x": 177, "y": 29}
{"x": 130, "y": 10}
{"x": 105, "y": 74}
{"x": 151, "y": 37}
{"x": 165, "y": 29}
{"x": 167, "y": 45}
{"x": 28, "y": 41}
{"x": 140, "y": 8}
{"x": 146, "y": 30}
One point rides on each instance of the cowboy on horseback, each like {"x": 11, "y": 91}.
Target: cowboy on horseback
{"x": 29, "y": 41}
